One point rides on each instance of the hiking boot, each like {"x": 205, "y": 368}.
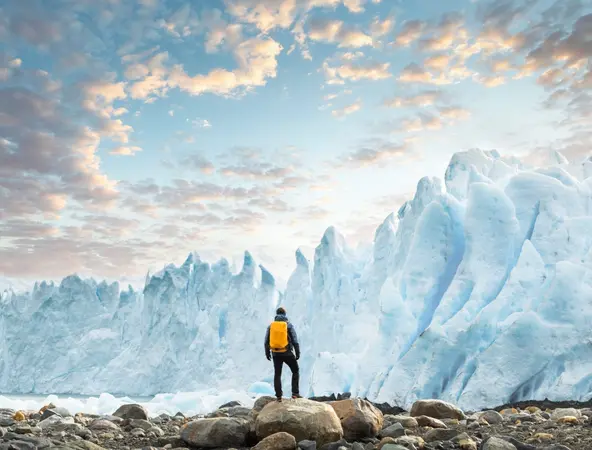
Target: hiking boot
{"x": 295, "y": 396}
{"x": 278, "y": 399}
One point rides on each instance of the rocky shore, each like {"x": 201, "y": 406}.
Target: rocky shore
{"x": 306, "y": 424}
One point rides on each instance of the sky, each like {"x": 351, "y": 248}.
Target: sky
{"x": 133, "y": 132}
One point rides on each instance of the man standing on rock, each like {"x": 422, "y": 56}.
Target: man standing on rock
{"x": 280, "y": 340}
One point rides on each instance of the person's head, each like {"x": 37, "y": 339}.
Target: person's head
{"x": 280, "y": 311}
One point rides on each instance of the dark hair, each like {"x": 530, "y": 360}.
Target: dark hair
{"x": 280, "y": 310}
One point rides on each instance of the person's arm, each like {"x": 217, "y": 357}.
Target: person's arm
{"x": 294, "y": 340}
{"x": 267, "y": 349}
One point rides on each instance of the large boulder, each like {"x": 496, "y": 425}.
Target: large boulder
{"x": 359, "y": 418}
{"x": 131, "y": 411}
{"x": 216, "y": 432}
{"x": 437, "y": 409}
{"x": 304, "y": 419}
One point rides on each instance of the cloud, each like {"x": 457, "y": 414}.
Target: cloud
{"x": 490, "y": 81}
{"x": 411, "y": 32}
{"x": 257, "y": 171}
{"x": 198, "y": 162}
{"x": 348, "y": 109}
{"x": 48, "y": 154}
{"x": 379, "y": 28}
{"x": 376, "y": 151}
{"x": 267, "y": 15}
{"x": 220, "y": 34}
{"x": 568, "y": 50}
{"x": 421, "y": 99}
{"x": 271, "y": 204}
{"x": 18, "y": 228}
{"x": 437, "y": 62}
{"x": 355, "y": 72}
{"x": 335, "y": 31}
{"x": 446, "y": 35}
{"x": 125, "y": 150}
{"x": 201, "y": 123}
{"x": 256, "y": 59}
{"x": 454, "y": 113}
{"x": 414, "y": 73}
{"x": 423, "y": 121}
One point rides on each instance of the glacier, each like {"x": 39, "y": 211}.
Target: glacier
{"x": 477, "y": 291}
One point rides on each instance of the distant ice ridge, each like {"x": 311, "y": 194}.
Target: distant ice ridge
{"x": 478, "y": 291}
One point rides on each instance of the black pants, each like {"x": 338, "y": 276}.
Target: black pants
{"x": 278, "y": 361}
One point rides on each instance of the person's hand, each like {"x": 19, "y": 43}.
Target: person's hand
{"x": 268, "y": 356}
{"x": 297, "y": 356}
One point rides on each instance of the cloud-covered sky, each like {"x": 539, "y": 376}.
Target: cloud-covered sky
{"x": 135, "y": 131}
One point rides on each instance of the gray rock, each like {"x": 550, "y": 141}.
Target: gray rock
{"x": 393, "y": 447}
{"x": 336, "y": 445}
{"x": 441, "y": 434}
{"x": 23, "y": 429}
{"x": 516, "y": 443}
{"x": 395, "y": 430}
{"x": 277, "y": 441}
{"x": 79, "y": 445}
{"x": 359, "y": 418}
{"x": 103, "y": 425}
{"x": 138, "y": 432}
{"x": 522, "y": 417}
{"x": 566, "y": 412}
{"x": 406, "y": 421}
{"x": 230, "y": 404}
{"x": 39, "y": 442}
{"x": 138, "y": 423}
{"x": 157, "y": 431}
{"x": 2, "y": 432}
{"x": 427, "y": 421}
{"x": 50, "y": 421}
{"x": 6, "y": 421}
{"x": 410, "y": 442}
{"x": 74, "y": 428}
{"x": 437, "y": 409}
{"x": 238, "y": 411}
{"x": 173, "y": 441}
{"x": 307, "y": 445}
{"x": 58, "y": 410}
{"x": 260, "y": 403}
{"x": 218, "y": 432}
{"x": 131, "y": 411}
{"x": 357, "y": 446}
{"x": 492, "y": 417}
{"x": 496, "y": 443}
{"x": 556, "y": 447}
{"x": 110, "y": 418}
{"x": 17, "y": 445}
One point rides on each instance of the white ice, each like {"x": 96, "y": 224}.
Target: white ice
{"x": 477, "y": 291}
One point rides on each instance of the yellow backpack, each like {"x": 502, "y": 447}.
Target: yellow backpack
{"x": 278, "y": 336}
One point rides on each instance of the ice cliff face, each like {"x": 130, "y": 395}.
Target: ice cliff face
{"x": 478, "y": 291}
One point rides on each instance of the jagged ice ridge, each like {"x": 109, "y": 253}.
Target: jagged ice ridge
{"x": 478, "y": 291}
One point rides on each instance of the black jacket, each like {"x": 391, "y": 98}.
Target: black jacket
{"x": 292, "y": 337}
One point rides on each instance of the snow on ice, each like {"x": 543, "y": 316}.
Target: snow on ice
{"x": 478, "y": 291}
